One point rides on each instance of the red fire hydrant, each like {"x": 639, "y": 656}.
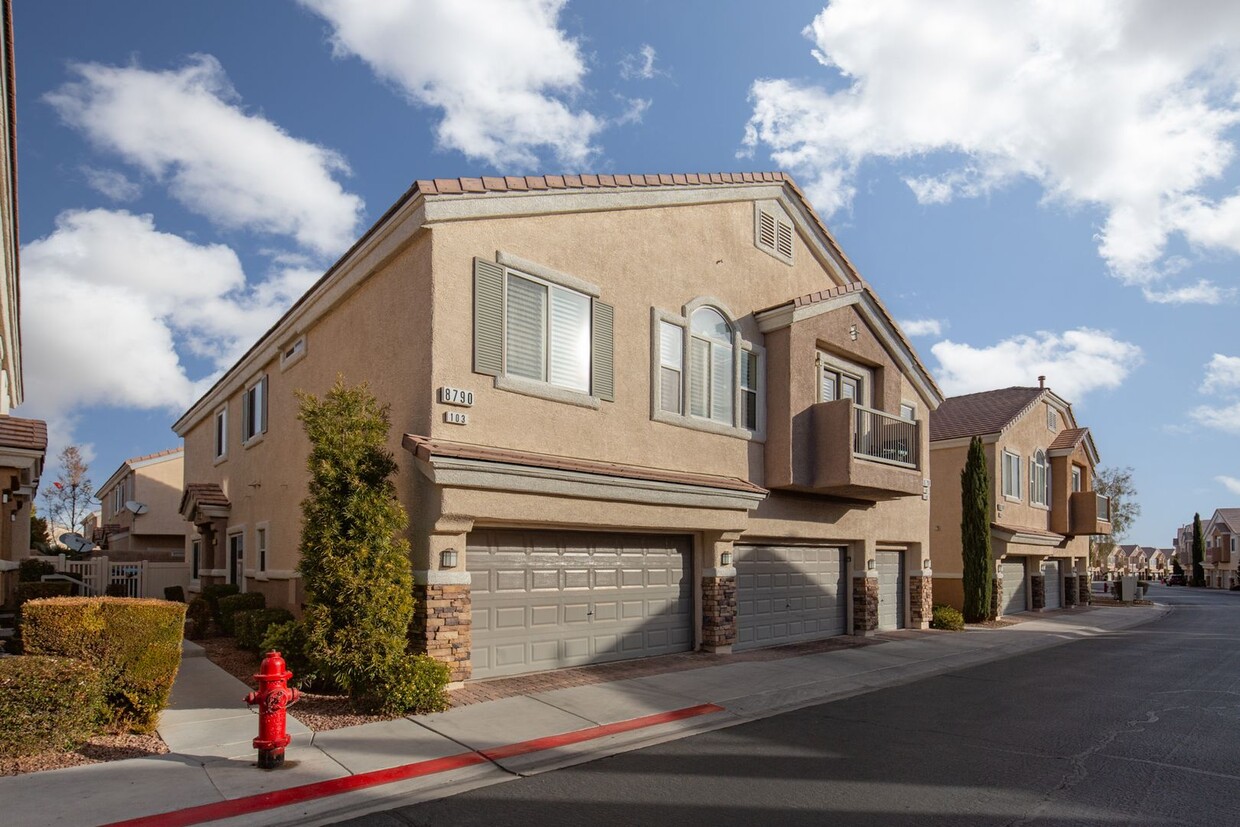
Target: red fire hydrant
{"x": 272, "y": 697}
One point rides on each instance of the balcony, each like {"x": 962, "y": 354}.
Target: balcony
{"x": 865, "y": 454}
{"x": 1089, "y": 513}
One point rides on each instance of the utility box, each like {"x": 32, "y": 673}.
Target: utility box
{"x": 1128, "y": 589}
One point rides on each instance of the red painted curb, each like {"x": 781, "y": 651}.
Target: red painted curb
{"x": 361, "y": 781}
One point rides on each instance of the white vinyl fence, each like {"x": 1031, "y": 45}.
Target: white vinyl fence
{"x": 140, "y": 578}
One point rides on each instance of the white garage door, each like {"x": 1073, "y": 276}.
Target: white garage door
{"x": 789, "y": 593}
{"x": 1050, "y": 571}
{"x": 549, "y": 599}
{"x": 890, "y": 590}
{"x": 1014, "y": 591}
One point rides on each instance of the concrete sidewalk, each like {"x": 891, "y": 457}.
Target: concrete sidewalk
{"x": 347, "y": 772}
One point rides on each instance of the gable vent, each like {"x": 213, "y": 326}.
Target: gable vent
{"x": 773, "y": 232}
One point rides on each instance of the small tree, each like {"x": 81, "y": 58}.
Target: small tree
{"x": 975, "y": 533}
{"x": 1176, "y": 568}
{"x": 70, "y": 498}
{"x": 1199, "y": 552}
{"x": 359, "y": 582}
{"x": 38, "y": 533}
{"x": 1116, "y": 483}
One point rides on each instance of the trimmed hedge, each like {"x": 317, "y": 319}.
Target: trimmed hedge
{"x": 251, "y": 625}
{"x": 945, "y": 617}
{"x": 214, "y": 592}
{"x": 47, "y": 704}
{"x": 35, "y": 591}
{"x": 418, "y": 684}
{"x": 135, "y": 644}
{"x": 198, "y": 613}
{"x": 31, "y": 570}
{"x": 234, "y": 603}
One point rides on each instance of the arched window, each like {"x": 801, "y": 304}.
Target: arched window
{"x": 710, "y": 366}
{"x": 706, "y": 373}
{"x": 1039, "y": 479}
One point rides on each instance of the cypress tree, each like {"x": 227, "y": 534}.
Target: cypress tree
{"x": 1199, "y": 552}
{"x": 975, "y": 533}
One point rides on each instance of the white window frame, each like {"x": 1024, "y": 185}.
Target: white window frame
{"x": 1052, "y": 418}
{"x": 839, "y": 369}
{"x": 1011, "y": 456}
{"x": 237, "y": 532}
{"x": 911, "y": 409}
{"x": 219, "y": 432}
{"x": 195, "y": 559}
{"x": 1039, "y": 480}
{"x": 1078, "y": 479}
{"x": 292, "y": 353}
{"x": 253, "y": 410}
{"x": 262, "y": 542}
{"x": 740, "y": 346}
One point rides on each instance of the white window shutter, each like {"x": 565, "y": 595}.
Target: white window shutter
{"x": 602, "y": 346}
{"x": 488, "y": 317}
{"x": 569, "y": 359}
{"x": 525, "y": 328}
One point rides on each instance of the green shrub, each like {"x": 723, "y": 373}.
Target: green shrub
{"x": 199, "y": 616}
{"x": 135, "y": 645}
{"x": 228, "y": 606}
{"x": 214, "y": 592}
{"x": 47, "y": 704}
{"x": 417, "y": 684}
{"x": 945, "y": 617}
{"x": 34, "y": 591}
{"x": 31, "y": 570}
{"x": 289, "y": 639}
{"x": 251, "y": 625}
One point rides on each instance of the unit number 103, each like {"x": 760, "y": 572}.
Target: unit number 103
{"x": 456, "y": 417}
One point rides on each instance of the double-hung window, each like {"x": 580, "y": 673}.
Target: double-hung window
{"x": 707, "y": 375}
{"x": 541, "y": 332}
{"x": 260, "y": 537}
{"x": 1039, "y": 480}
{"x": 1011, "y": 475}
{"x": 221, "y": 433}
{"x": 1076, "y": 478}
{"x": 254, "y": 410}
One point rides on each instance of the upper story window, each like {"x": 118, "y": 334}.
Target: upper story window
{"x": 1011, "y": 475}
{"x": 293, "y": 352}
{"x": 908, "y": 411}
{"x": 1039, "y": 480}
{"x": 1052, "y": 418}
{"x": 843, "y": 380}
{"x": 254, "y": 410}
{"x": 221, "y": 433}
{"x": 1076, "y": 478}
{"x": 541, "y": 332}
{"x": 260, "y": 537}
{"x": 706, "y": 372}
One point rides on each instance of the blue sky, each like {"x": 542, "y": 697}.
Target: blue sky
{"x": 1032, "y": 188}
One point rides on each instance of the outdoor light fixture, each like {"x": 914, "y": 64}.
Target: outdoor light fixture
{"x": 447, "y": 558}
{"x": 871, "y": 564}
{"x": 925, "y": 564}
{"x": 725, "y": 559}
{"x": 852, "y": 332}
{"x": 5, "y": 497}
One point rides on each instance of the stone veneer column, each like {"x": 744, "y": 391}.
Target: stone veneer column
{"x": 921, "y": 600}
{"x": 1069, "y": 590}
{"x": 718, "y": 613}
{"x": 865, "y": 605}
{"x": 1038, "y": 585}
{"x": 442, "y": 621}
{"x": 1084, "y": 593}
{"x": 996, "y": 596}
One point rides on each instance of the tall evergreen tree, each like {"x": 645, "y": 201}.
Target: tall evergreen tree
{"x": 1199, "y": 552}
{"x": 359, "y": 581}
{"x": 975, "y": 533}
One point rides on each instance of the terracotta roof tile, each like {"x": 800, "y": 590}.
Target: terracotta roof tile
{"x": 424, "y": 448}
{"x": 204, "y": 494}
{"x": 28, "y": 434}
{"x": 167, "y": 452}
{"x": 1231, "y": 516}
{"x": 573, "y": 181}
{"x": 1014, "y": 529}
{"x": 977, "y": 414}
{"x": 1068, "y": 438}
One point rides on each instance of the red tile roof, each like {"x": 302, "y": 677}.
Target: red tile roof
{"x": 1069, "y": 439}
{"x": 1231, "y": 516}
{"x": 977, "y": 414}
{"x": 29, "y": 434}
{"x": 164, "y": 453}
{"x": 1013, "y": 529}
{"x": 425, "y": 448}
{"x": 207, "y": 494}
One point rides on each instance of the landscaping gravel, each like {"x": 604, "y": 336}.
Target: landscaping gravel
{"x": 95, "y": 751}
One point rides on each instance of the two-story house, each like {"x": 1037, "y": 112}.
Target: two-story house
{"x": 139, "y": 516}
{"x": 633, "y": 415}
{"x": 1045, "y": 509}
{"x": 1222, "y": 536}
{"x": 1182, "y": 543}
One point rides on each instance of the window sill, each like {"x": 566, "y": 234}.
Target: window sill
{"x": 1011, "y": 499}
{"x": 707, "y": 425}
{"x": 252, "y": 441}
{"x": 1040, "y": 506}
{"x": 542, "y": 390}
{"x": 285, "y": 364}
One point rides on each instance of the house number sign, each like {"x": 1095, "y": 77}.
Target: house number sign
{"x": 456, "y": 417}
{"x": 456, "y": 396}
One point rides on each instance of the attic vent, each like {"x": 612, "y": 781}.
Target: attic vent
{"x": 773, "y": 232}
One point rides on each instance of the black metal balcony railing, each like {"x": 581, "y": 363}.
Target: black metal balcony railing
{"x": 885, "y": 437}
{"x": 1104, "y": 508}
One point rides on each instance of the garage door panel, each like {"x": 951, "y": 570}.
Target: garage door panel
{"x": 1051, "y": 590}
{"x": 544, "y": 599}
{"x": 1014, "y": 587}
{"x": 890, "y": 565}
{"x": 789, "y": 593}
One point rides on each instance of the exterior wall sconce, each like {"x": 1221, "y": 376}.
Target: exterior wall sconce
{"x": 12, "y": 516}
{"x": 5, "y": 497}
{"x": 852, "y": 332}
{"x": 447, "y": 558}
{"x": 725, "y": 558}
{"x": 871, "y": 564}
{"x": 925, "y": 564}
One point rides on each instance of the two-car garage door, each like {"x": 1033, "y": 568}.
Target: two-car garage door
{"x": 549, "y": 599}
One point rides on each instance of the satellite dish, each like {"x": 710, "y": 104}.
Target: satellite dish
{"x": 136, "y": 507}
{"x": 75, "y": 542}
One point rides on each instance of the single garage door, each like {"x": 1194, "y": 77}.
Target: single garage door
{"x": 890, "y": 590}
{"x": 789, "y": 593}
{"x": 1050, "y": 571}
{"x": 549, "y": 599}
{"x": 1014, "y": 591}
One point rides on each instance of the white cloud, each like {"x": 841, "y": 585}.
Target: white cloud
{"x": 186, "y": 127}
{"x": 502, "y": 71}
{"x": 1230, "y": 483}
{"x": 922, "y": 327}
{"x": 1075, "y": 363}
{"x": 111, "y": 183}
{"x": 1219, "y": 417}
{"x": 108, "y": 301}
{"x": 639, "y": 66}
{"x": 1203, "y": 292}
{"x": 1222, "y": 373}
{"x": 1129, "y": 107}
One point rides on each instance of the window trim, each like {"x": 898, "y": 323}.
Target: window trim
{"x": 1038, "y": 462}
{"x": 195, "y": 559}
{"x": 912, "y": 406}
{"x": 229, "y": 533}
{"x": 262, "y": 550}
{"x": 739, "y": 345}
{"x": 261, "y": 388}
{"x": 1052, "y": 418}
{"x": 1016, "y": 475}
{"x": 780, "y": 217}
{"x": 298, "y": 346}
{"x": 843, "y": 367}
{"x": 219, "y": 422}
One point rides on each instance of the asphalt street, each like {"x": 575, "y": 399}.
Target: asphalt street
{"x": 1137, "y": 727}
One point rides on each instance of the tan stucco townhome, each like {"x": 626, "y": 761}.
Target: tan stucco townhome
{"x": 1045, "y": 510}
{"x": 633, "y": 415}
{"x": 1222, "y": 536}
{"x": 154, "y": 484}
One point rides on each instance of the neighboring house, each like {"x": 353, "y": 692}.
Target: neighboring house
{"x": 1160, "y": 562}
{"x": 1138, "y": 560}
{"x": 1045, "y": 509}
{"x": 1222, "y": 536}
{"x": 632, "y": 416}
{"x": 1183, "y": 545}
{"x": 157, "y": 535}
{"x": 23, "y": 442}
